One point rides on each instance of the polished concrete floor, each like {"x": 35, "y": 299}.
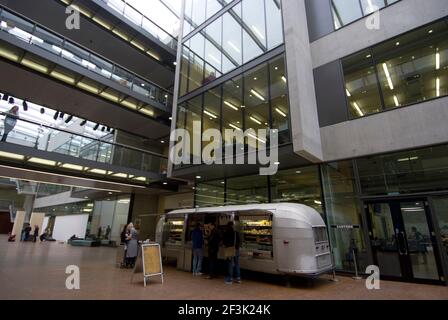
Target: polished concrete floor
{"x": 37, "y": 271}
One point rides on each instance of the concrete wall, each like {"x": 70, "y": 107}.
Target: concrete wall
{"x": 302, "y": 96}
{"x": 394, "y": 20}
{"x": 410, "y": 127}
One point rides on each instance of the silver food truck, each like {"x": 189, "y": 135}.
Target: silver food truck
{"x": 284, "y": 238}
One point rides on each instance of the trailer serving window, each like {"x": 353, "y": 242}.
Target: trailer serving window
{"x": 174, "y": 229}
{"x": 256, "y": 234}
{"x": 320, "y": 234}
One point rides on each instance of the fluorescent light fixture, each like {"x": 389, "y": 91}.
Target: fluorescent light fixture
{"x": 34, "y": 65}
{"x": 358, "y": 109}
{"x": 397, "y": 103}
{"x": 147, "y": 112}
{"x": 109, "y": 96}
{"x": 87, "y": 210}
{"x": 62, "y": 77}
{"x": 438, "y": 61}
{"x": 210, "y": 114}
{"x": 87, "y": 87}
{"x": 317, "y": 202}
{"x": 72, "y": 167}
{"x": 255, "y": 120}
{"x": 8, "y": 55}
{"x": 438, "y": 87}
{"x": 102, "y": 23}
{"x": 214, "y": 58}
{"x": 153, "y": 55}
{"x": 120, "y": 175}
{"x": 259, "y": 34}
{"x": 129, "y": 104}
{"x": 143, "y": 179}
{"x": 227, "y": 103}
{"x": 138, "y": 45}
{"x": 259, "y": 96}
{"x": 124, "y": 201}
{"x": 11, "y": 155}
{"x": 389, "y": 79}
{"x": 348, "y": 93}
{"x": 233, "y": 46}
{"x": 42, "y": 161}
{"x": 234, "y": 127}
{"x": 98, "y": 171}
{"x": 256, "y": 138}
{"x": 284, "y": 79}
{"x": 198, "y": 177}
{"x": 120, "y": 34}
{"x": 279, "y": 111}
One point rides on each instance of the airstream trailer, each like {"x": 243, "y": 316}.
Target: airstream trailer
{"x": 283, "y": 238}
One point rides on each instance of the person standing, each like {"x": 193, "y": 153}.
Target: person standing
{"x": 213, "y": 248}
{"x": 108, "y": 229}
{"x": 36, "y": 233}
{"x": 10, "y": 122}
{"x": 197, "y": 237}
{"x": 132, "y": 245}
{"x": 232, "y": 244}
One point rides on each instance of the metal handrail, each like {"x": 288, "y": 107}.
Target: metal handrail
{"x": 86, "y": 137}
{"x": 143, "y": 17}
{"x": 89, "y": 51}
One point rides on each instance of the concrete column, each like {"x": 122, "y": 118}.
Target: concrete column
{"x": 303, "y": 106}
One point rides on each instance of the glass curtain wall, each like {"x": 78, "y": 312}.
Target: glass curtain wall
{"x": 257, "y": 99}
{"x": 247, "y": 30}
{"x": 409, "y": 69}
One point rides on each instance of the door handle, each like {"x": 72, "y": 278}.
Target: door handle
{"x": 397, "y": 237}
{"x": 405, "y": 246}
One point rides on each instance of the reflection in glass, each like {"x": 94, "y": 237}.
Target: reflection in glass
{"x": 245, "y": 190}
{"x": 342, "y": 208}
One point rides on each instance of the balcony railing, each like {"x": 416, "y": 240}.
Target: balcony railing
{"x": 34, "y": 34}
{"x": 46, "y": 138}
{"x": 143, "y": 22}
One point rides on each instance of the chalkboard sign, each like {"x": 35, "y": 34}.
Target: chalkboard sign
{"x": 151, "y": 261}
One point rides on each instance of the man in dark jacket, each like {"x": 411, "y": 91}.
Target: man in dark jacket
{"x": 231, "y": 239}
{"x": 197, "y": 238}
{"x": 213, "y": 248}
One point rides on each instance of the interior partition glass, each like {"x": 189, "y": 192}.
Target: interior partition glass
{"x": 361, "y": 84}
{"x": 246, "y": 190}
{"x": 342, "y": 210}
{"x": 300, "y": 185}
{"x": 413, "y": 68}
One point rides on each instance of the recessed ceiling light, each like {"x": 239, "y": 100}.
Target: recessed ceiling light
{"x": 198, "y": 177}
{"x": 430, "y": 31}
{"x": 165, "y": 183}
{"x": 398, "y": 43}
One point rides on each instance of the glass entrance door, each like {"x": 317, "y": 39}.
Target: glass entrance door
{"x": 403, "y": 240}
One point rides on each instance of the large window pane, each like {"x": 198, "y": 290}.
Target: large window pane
{"x": 210, "y": 194}
{"x": 279, "y": 99}
{"x": 245, "y": 190}
{"x": 342, "y": 209}
{"x": 274, "y": 23}
{"x": 213, "y": 44}
{"x": 232, "y": 43}
{"x": 256, "y": 101}
{"x": 412, "y": 67}
{"x": 405, "y": 172}
{"x": 346, "y": 11}
{"x": 193, "y": 116}
{"x": 361, "y": 84}
{"x": 441, "y": 210}
{"x": 299, "y": 186}
{"x": 232, "y": 106}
